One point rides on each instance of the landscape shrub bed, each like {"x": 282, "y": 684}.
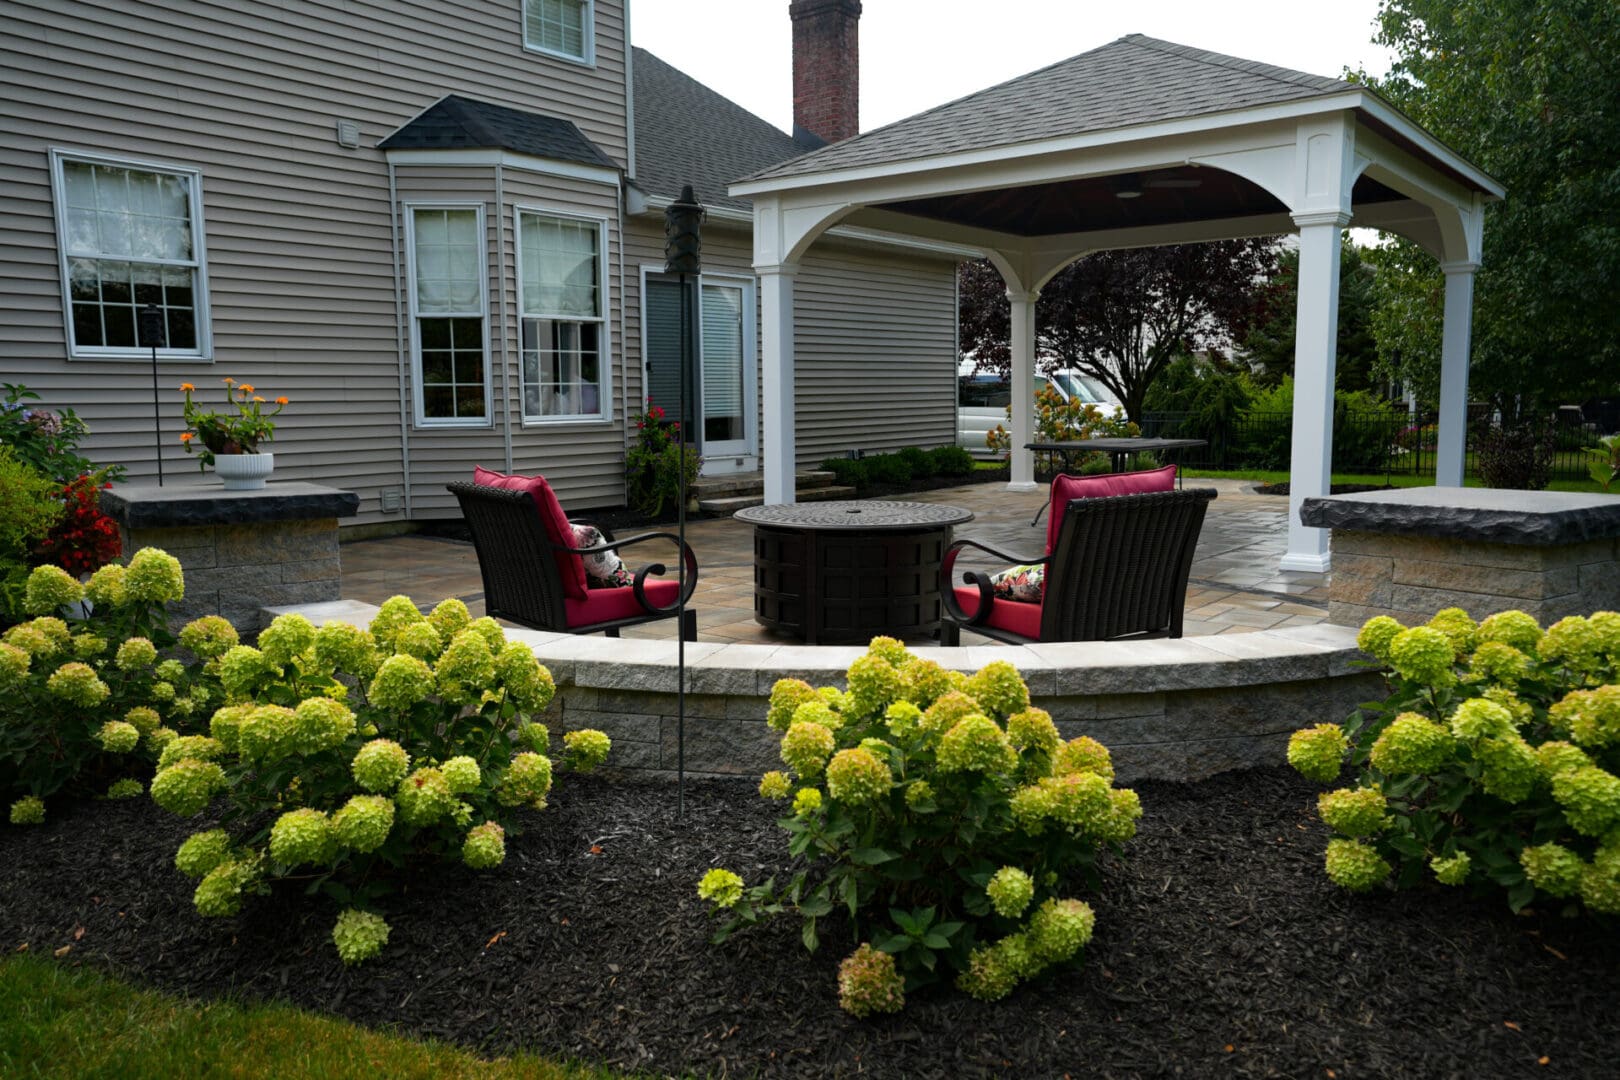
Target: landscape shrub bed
{"x": 900, "y": 468}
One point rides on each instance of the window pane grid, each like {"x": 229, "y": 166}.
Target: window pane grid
{"x": 447, "y": 260}
{"x": 557, "y": 25}
{"x": 560, "y": 304}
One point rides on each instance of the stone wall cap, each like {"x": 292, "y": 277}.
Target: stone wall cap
{"x": 148, "y": 506}
{"x": 1538, "y": 518}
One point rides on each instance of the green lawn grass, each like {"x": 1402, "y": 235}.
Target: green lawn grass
{"x": 1266, "y": 476}
{"x": 57, "y": 1021}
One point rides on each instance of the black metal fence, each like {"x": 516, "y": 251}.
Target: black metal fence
{"x": 1389, "y": 443}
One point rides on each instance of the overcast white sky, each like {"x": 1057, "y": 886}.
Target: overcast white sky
{"x": 916, "y": 54}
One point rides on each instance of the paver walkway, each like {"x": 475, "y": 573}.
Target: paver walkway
{"x": 1235, "y": 587}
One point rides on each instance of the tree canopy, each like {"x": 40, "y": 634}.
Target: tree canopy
{"x": 1531, "y": 93}
{"x": 1268, "y": 339}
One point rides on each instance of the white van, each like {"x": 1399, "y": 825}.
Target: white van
{"x": 983, "y": 397}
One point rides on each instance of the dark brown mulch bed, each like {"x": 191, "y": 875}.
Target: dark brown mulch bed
{"x": 1220, "y": 950}
{"x": 1334, "y": 489}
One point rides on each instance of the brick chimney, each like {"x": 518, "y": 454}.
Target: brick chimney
{"x": 826, "y": 69}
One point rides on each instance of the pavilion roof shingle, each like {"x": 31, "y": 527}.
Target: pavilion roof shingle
{"x": 688, "y": 134}
{"x": 458, "y": 123}
{"x": 1134, "y": 80}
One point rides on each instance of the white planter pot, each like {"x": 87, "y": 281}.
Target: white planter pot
{"x": 243, "y": 472}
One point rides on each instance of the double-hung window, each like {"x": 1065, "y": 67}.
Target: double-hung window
{"x": 560, "y": 290}
{"x": 447, "y": 272}
{"x": 130, "y": 235}
{"x": 560, "y": 27}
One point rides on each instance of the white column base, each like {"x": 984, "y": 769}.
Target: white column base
{"x": 1306, "y": 562}
{"x": 1023, "y": 485}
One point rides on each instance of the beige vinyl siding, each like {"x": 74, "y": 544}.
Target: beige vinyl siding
{"x": 300, "y": 259}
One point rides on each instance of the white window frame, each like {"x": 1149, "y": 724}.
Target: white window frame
{"x": 750, "y": 342}
{"x": 587, "y": 57}
{"x": 409, "y": 210}
{"x": 604, "y": 413}
{"x": 197, "y": 264}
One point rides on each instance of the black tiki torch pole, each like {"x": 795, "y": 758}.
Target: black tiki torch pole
{"x": 683, "y": 242}
{"x": 150, "y": 328}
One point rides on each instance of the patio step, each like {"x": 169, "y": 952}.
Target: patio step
{"x": 721, "y": 487}
{"x": 725, "y": 507}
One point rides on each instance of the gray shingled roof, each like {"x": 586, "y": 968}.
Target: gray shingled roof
{"x": 688, "y": 134}
{"x": 1135, "y": 80}
{"x": 458, "y": 123}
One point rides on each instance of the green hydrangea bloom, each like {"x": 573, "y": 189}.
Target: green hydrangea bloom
{"x": 819, "y": 712}
{"x": 1457, "y": 626}
{"x": 874, "y": 685}
{"x": 1376, "y": 635}
{"x": 209, "y": 636}
{"x": 226, "y": 724}
{"x": 1411, "y": 744}
{"x": 341, "y": 646}
{"x": 527, "y": 683}
{"x": 240, "y": 668}
{"x": 485, "y": 846}
{"x": 267, "y": 734}
{"x": 319, "y": 724}
{"x": 154, "y": 576}
{"x": 786, "y": 697}
{"x": 976, "y": 744}
{"x": 1590, "y": 798}
{"x": 858, "y": 777}
{"x": 1513, "y": 628}
{"x": 302, "y": 836}
{"x": 286, "y": 638}
{"x": 1059, "y": 929}
{"x": 1452, "y": 871}
{"x": 901, "y": 720}
{"x": 396, "y": 613}
{"x": 462, "y": 774}
{"x": 201, "y": 852}
{"x": 1317, "y": 753}
{"x": 999, "y": 689}
{"x": 949, "y": 708}
{"x": 159, "y": 737}
{"x": 449, "y": 618}
{"x": 1556, "y": 758}
{"x": 722, "y": 888}
{"x": 14, "y": 664}
{"x": 125, "y": 789}
{"x": 1499, "y": 662}
{"x": 401, "y": 682}
{"x": 1033, "y": 730}
{"x": 920, "y": 796}
{"x": 219, "y": 893}
{"x": 380, "y": 765}
{"x": 1080, "y": 802}
{"x": 194, "y": 747}
{"x": 364, "y": 822}
{"x": 1355, "y": 866}
{"x": 28, "y": 810}
{"x": 1606, "y": 628}
{"x": 162, "y": 692}
{"x": 806, "y": 800}
{"x": 1573, "y": 643}
{"x": 188, "y": 786}
{"x": 1517, "y": 708}
{"x": 1010, "y": 891}
{"x": 1479, "y": 718}
{"x": 424, "y": 798}
{"x": 77, "y": 684}
{"x": 586, "y": 748}
{"x": 88, "y": 646}
{"x": 1600, "y": 889}
{"x": 105, "y": 589}
{"x": 1031, "y": 805}
{"x": 136, "y": 653}
{"x": 1354, "y": 811}
{"x": 527, "y": 780}
{"x": 50, "y": 588}
{"x": 536, "y": 737}
{"x": 420, "y": 640}
{"x": 775, "y": 785}
{"x": 466, "y": 669}
{"x": 1591, "y": 717}
{"x": 806, "y": 748}
{"x": 31, "y": 640}
{"x": 1124, "y": 811}
{"x": 1511, "y": 770}
{"x": 868, "y": 982}
{"x": 1083, "y": 755}
{"x": 1423, "y": 655}
{"x": 991, "y": 974}
{"x": 118, "y": 737}
{"x": 359, "y": 936}
{"x": 925, "y": 682}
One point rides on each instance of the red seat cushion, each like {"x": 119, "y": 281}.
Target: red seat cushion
{"x": 558, "y": 530}
{"x": 1016, "y": 616}
{"x": 1065, "y": 487}
{"x": 611, "y": 605}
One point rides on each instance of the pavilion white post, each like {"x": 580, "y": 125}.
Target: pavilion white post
{"x": 1316, "y": 342}
{"x": 1023, "y": 388}
{"x": 1451, "y": 441}
{"x": 776, "y": 330}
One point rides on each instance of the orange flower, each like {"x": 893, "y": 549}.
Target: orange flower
{"x": 257, "y": 400}
{"x": 247, "y": 388}
{"x": 228, "y": 381}
{"x": 186, "y": 436}
{"x": 186, "y": 388}
{"x": 281, "y": 401}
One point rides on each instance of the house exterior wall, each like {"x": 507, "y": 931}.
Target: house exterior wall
{"x": 300, "y": 254}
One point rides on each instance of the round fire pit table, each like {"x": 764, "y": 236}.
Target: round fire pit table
{"x": 838, "y": 573}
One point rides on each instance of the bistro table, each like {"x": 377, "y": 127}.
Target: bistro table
{"x": 843, "y": 572}
{"x": 1116, "y": 448}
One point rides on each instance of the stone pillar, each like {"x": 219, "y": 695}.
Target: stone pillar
{"x": 1451, "y": 440}
{"x": 241, "y": 551}
{"x": 776, "y": 379}
{"x": 1023, "y": 388}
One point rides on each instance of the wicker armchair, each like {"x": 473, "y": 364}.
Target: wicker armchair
{"x": 518, "y": 559}
{"x": 1118, "y": 569}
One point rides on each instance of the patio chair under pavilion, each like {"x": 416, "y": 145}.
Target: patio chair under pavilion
{"x": 1138, "y": 143}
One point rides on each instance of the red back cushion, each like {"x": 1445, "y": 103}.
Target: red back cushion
{"x": 1065, "y": 487}
{"x": 571, "y": 567}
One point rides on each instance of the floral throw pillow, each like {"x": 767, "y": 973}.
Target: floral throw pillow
{"x": 604, "y": 570}
{"x": 1021, "y": 583}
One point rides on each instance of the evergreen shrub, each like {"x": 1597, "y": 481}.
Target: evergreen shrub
{"x": 951, "y": 461}
{"x": 888, "y": 469}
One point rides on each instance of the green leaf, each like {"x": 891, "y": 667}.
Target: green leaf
{"x": 1520, "y": 895}
{"x": 892, "y": 943}
{"x": 809, "y": 935}
{"x": 815, "y": 906}
{"x": 936, "y": 941}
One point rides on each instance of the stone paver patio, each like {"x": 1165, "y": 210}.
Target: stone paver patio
{"x": 1235, "y": 585}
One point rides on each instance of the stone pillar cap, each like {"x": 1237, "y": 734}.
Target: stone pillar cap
{"x": 1492, "y": 515}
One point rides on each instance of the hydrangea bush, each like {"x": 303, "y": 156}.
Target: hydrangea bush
{"x": 943, "y": 814}
{"x": 1494, "y": 763}
{"x": 346, "y": 754}
{"x": 84, "y": 698}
